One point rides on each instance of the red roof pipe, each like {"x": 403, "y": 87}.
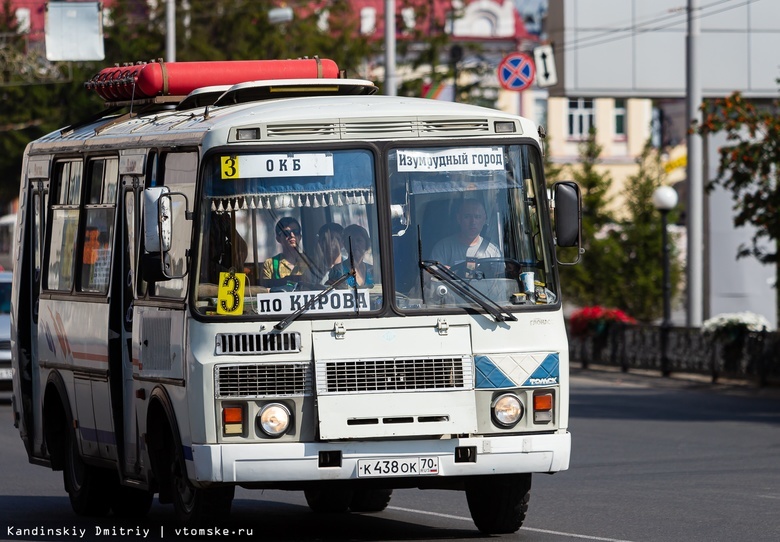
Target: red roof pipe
{"x": 181, "y": 78}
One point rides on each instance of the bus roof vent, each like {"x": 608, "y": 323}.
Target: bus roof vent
{"x": 379, "y": 127}
{"x": 237, "y": 344}
{"x": 308, "y": 130}
{"x": 433, "y": 127}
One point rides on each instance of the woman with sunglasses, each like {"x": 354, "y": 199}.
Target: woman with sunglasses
{"x": 290, "y": 261}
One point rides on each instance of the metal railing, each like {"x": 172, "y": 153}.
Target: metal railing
{"x": 751, "y": 356}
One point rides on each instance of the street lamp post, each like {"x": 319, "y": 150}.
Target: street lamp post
{"x": 665, "y": 199}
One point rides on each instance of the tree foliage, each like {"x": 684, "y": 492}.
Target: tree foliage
{"x": 748, "y": 168}
{"x": 622, "y": 266}
{"x": 639, "y": 281}
{"x": 587, "y": 283}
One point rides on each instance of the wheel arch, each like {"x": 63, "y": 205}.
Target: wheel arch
{"x": 57, "y": 419}
{"x": 161, "y": 429}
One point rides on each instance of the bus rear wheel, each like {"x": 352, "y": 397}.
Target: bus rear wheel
{"x": 131, "y": 503}
{"x": 498, "y": 503}
{"x": 87, "y": 486}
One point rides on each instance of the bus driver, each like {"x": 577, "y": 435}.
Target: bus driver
{"x": 467, "y": 243}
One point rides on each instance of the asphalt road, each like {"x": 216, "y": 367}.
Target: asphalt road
{"x": 653, "y": 460}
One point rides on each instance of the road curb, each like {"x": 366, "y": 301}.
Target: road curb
{"x": 615, "y": 375}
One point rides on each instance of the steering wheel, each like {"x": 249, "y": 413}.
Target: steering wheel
{"x": 482, "y": 268}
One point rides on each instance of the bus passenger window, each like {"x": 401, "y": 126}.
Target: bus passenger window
{"x": 95, "y": 263}
{"x": 64, "y": 226}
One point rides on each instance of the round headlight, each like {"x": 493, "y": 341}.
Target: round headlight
{"x": 274, "y": 419}
{"x": 507, "y": 410}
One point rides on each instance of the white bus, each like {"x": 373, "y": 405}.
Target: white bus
{"x": 287, "y": 281}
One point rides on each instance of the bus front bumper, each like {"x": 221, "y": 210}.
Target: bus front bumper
{"x": 301, "y": 462}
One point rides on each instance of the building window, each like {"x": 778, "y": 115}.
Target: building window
{"x": 580, "y": 117}
{"x": 620, "y": 119}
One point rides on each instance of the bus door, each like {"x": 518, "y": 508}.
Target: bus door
{"x": 30, "y": 236}
{"x": 122, "y": 300}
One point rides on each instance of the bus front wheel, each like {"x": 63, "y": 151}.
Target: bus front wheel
{"x": 328, "y": 500}
{"x": 197, "y": 506}
{"x": 498, "y": 503}
{"x": 370, "y": 500}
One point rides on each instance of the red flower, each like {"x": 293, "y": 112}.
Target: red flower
{"x": 596, "y": 319}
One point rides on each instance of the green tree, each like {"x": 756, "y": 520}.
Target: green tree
{"x": 622, "y": 266}
{"x": 750, "y": 169}
{"x": 589, "y": 282}
{"x": 638, "y": 284}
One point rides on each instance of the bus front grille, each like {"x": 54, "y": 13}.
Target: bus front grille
{"x": 389, "y": 375}
{"x": 257, "y": 343}
{"x": 257, "y": 380}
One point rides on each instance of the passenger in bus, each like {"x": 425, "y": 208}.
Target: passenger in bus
{"x": 227, "y": 249}
{"x": 328, "y": 251}
{"x": 290, "y": 262}
{"x": 356, "y": 238}
{"x": 468, "y": 243}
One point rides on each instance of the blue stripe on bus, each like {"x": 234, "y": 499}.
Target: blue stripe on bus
{"x": 547, "y": 374}
{"x": 489, "y": 376}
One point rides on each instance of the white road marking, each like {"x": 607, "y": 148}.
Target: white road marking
{"x": 545, "y": 531}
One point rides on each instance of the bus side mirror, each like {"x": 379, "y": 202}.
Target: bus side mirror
{"x": 399, "y": 216}
{"x": 158, "y": 221}
{"x": 158, "y": 233}
{"x": 567, "y": 206}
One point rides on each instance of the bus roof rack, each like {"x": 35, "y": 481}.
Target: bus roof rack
{"x": 145, "y": 80}
{"x": 289, "y": 88}
{"x": 201, "y": 97}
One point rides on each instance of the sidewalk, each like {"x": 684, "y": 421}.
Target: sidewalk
{"x": 691, "y": 381}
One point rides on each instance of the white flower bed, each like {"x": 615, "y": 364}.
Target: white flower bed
{"x": 733, "y": 320}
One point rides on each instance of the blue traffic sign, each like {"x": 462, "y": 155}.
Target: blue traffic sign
{"x": 516, "y": 71}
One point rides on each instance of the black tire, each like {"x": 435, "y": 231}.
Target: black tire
{"x": 131, "y": 503}
{"x": 329, "y": 500}
{"x": 195, "y": 506}
{"x": 88, "y": 487}
{"x": 498, "y": 504}
{"x": 370, "y": 500}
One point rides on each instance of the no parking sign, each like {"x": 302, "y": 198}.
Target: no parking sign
{"x": 516, "y": 71}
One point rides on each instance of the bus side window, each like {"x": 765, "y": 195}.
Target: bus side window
{"x": 64, "y": 226}
{"x": 178, "y": 171}
{"x": 98, "y": 236}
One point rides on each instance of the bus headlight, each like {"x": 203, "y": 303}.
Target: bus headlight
{"x": 274, "y": 419}
{"x": 507, "y": 410}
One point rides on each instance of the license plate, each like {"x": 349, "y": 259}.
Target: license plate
{"x": 6, "y": 374}
{"x": 408, "y": 466}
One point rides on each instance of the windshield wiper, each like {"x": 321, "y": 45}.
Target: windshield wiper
{"x": 460, "y": 285}
{"x": 312, "y": 300}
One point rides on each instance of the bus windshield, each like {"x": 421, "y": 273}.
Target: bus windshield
{"x": 467, "y": 228}
{"x": 279, "y": 228}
